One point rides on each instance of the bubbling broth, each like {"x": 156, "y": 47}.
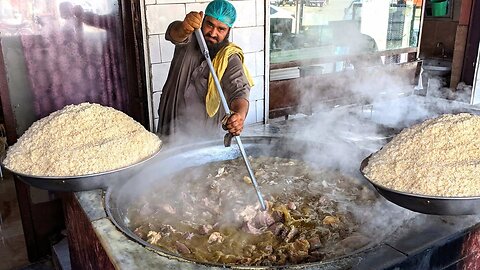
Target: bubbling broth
{"x": 210, "y": 213}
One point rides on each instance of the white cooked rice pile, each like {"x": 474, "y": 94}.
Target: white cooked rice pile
{"x": 439, "y": 157}
{"x": 81, "y": 139}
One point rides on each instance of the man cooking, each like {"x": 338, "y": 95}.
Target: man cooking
{"x": 190, "y": 103}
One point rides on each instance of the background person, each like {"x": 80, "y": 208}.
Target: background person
{"x": 360, "y": 47}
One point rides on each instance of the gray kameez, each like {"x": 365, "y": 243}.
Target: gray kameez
{"x": 182, "y": 103}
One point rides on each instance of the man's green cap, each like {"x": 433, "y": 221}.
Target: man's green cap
{"x": 223, "y": 11}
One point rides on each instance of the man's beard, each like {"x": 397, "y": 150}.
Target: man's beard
{"x": 214, "y": 48}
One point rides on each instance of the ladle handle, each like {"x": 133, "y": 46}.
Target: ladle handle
{"x": 206, "y": 54}
{"x": 250, "y": 172}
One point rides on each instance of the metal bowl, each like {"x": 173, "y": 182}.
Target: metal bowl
{"x": 434, "y": 205}
{"x": 83, "y": 182}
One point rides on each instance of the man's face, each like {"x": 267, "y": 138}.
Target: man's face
{"x": 214, "y": 30}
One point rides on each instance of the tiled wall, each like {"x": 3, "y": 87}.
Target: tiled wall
{"x": 248, "y": 33}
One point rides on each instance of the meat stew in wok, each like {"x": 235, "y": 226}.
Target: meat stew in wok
{"x": 210, "y": 214}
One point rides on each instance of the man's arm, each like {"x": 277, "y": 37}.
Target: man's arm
{"x": 235, "y": 123}
{"x": 181, "y": 30}
{"x": 100, "y": 21}
{"x": 237, "y": 90}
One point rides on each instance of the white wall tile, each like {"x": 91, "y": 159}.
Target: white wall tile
{"x": 155, "y": 124}
{"x": 260, "y": 106}
{"x": 174, "y": 1}
{"x": 160, "y": 16}
{"x": 167, "y": 49}
{"x": 260, "y": 12}
{"x": 232, "y": 33}
{"x": 196, "y": 6}
{"x": 250, "y": 39}
{"x": 245, "y": 12}
{"x": 252, "y": 114}
{"x": 159, "y": 75}
{"x": 154, "y": 48}
{"x": 257, "y": 91}
{"x": 476, "y": 85}
{"x": 150, "y": 2}
{"x": 156, "y": 101}
{"x": 250, "y": 63}
{"x": 260, "y": 62}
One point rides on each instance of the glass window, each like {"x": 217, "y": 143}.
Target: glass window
{"x": 62, "y": 52}
{"x": 328, "y": 30}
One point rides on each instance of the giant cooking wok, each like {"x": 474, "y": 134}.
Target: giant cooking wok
{"x": 172, "y": 160}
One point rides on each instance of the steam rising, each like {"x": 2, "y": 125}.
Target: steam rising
{"x": 369, "y": 107}
{"x": 373, "y": 105}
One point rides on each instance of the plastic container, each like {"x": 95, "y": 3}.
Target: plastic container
{"x": 439, "y": 7}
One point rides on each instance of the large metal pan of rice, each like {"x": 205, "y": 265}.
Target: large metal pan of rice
{"x": 432, "y": 167}
{"x": 81, "y": 147}
{"x": 427, "y": 204}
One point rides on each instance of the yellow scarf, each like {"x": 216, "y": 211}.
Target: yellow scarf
{"x": 220, "y": 63}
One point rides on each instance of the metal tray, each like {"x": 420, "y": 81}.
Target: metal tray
{"x": 433, "y": 205}
{"x": 83, "y": 182}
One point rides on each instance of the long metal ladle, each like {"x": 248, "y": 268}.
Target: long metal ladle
{"x": 206, "y": 54}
